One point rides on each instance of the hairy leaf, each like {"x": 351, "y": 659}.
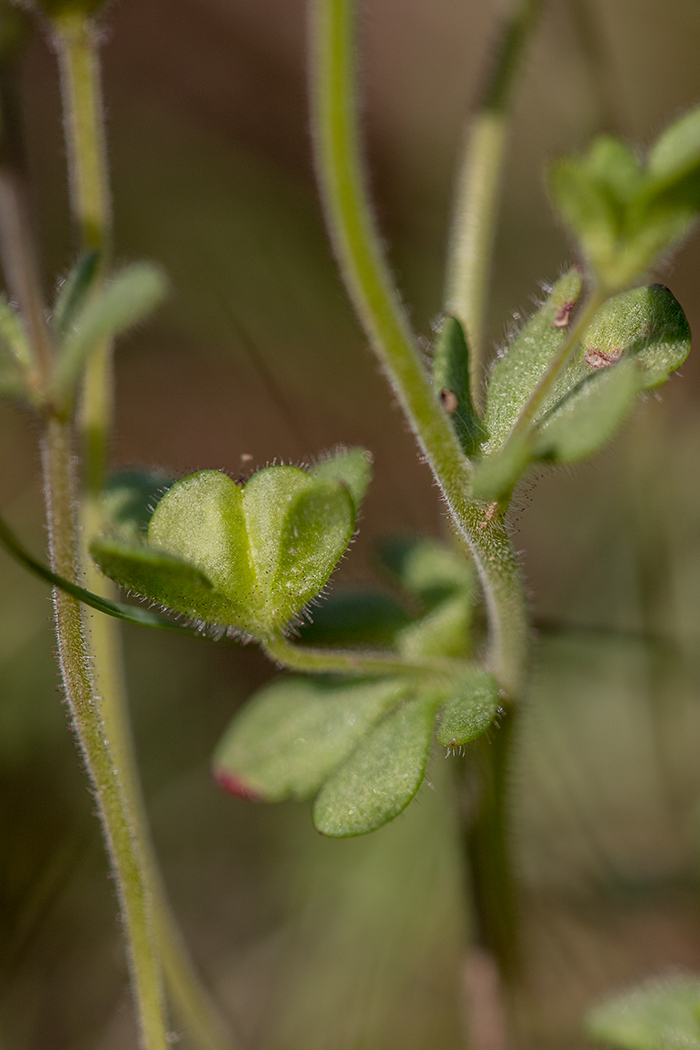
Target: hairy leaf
{"x": 517, "y": 373}
{"x": 470, "y": 710}
{"x": 352, "y": 467}
{"x": 381, "y": 776}
{"x": 294, "y": 733}
{"x": 265, "y": 549}
{"x": 14, "y": 343}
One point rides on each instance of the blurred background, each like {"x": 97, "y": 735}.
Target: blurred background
{"x": 313, "y": 944}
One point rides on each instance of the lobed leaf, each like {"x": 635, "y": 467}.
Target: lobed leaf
{"x": 294, "y": 733}
{"x": 452, "y": 385}
{"x": 381, "y": 776}
{"x": 470, "y": 710}
{"x": 265, "y": 549}
{"x": 661, "y": 1014}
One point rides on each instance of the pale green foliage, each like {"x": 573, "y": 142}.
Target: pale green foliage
{"x": 470, "y": 710}
{"x": 625, "y": 213}
{"x": 428, "y": 570}
{"x": 256, "y": 553}
{"x": 381, "y": 776}
{"x": 294, "y": 733}
{"x": 633, "y": 344}
{"x": 661, "y": 1014}
{"x": 443, "y": 631}
{"x": 117, "y": 306}
{"x": 13, "y": 336}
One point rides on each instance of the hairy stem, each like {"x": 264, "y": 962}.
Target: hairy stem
{"x": 474, "y": 222}
{"x": 77, "y": 46}
{"x": 357, "y": 662}
{"x": 73, "y": 653}
{"x": 361, "y": 257}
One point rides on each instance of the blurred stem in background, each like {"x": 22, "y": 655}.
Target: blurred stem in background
{"x": 371, "y": 286}
{"x": 475, "y": 217}
{"x": 75, "y": 657}
{"x": 76, "y": 40}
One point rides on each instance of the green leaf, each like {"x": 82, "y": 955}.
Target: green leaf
{"x": 265, "y": 549}
{"x": 123, "y": 301}
{"x": 451, "y": 384}
{"x": 633, "y": 344}
{"x": 294, "y": 733}
{"x": 443, "y": 631}
{"x": 470, "y": 710}
{"x": 496, "y": 476}
{"x": 381, "y": 776}
{"x": 517, "y": 373}
{"x": 661, "y": 1014}
{"x": 73, "y": 294}
{"x": 317, "y": 530}
{"x": 588, "y": 418}
{"x": 352, "y": 467}
{"x": 14, "y": 342}
{"x": 128, "y": 500}
{"x": 646, "y": 323}
{"x": 356, "y": 618}
{"x": 201, "y": 521}
{"x": 626, "y": 214}
{"x": 676, "y": 152}
{"x": 428, "y": 570}
{"x": 163, "y": 578}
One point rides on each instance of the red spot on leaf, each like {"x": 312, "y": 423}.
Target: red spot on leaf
{"x": 235, "y": 786}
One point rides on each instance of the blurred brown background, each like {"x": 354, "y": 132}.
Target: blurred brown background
{"x": 311, "y": 944}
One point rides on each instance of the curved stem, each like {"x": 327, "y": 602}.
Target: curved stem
{"x": 356, "y": 662}
{"x": 361, "y": 257}
{"x": 119, "y": 830}
{"x": 474, "y": 221}
{"x": 77, "y": 46}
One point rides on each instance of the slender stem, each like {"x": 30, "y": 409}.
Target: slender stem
{"x": 474, "y": 222}
{"x": 77, "y": 46}
{"x": 119, "y": 830}
{"x": 488, "y": 848}
{"x": 359, "y": 250}
{"x": 81, "y": 90}
{"x": 356, "y": 662}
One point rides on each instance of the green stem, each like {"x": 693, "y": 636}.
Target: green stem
{"x": 356, "y": 662}
{"x": 361, "y": 257}
{"x": 489, "y": 851}
{"x": 119, "y": 830}
{"x": 77, "y": 46}
{"x": 479, "y": 182}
